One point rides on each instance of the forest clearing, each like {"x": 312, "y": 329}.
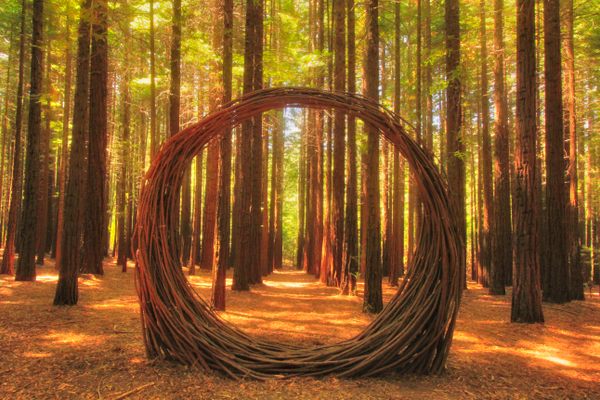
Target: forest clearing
{"x": 312, "y": 199}
{"x": 95, "y": 351}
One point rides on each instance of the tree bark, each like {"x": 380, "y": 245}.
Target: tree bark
{"x": 8, "y": 257}
{"x": 526, "y": 297}
{"x": 487, "y": 227}
{"x": 373, "y": 302}
{"x": 557, "y": 268}
{"x": 224, "y": 206}
{"x": 26, "y": 262}
{"x": 502, "y": 244}
{"x": 66, "y": 289}
{"x": 96, "y": 175}
{"x": 350, "y": 258}
{"x": 454, "y": 117}
{"x": 575, "y": 237}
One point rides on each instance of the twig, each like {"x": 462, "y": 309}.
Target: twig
{"x": 133, "y": 391}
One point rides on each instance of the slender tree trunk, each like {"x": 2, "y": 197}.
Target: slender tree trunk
{"x": 44, "y": 184}
{"x": 153, "y": 132}
{"x": 302, "y": 205}
{"x": 122, "y": 188}
{"x": 196, "y": 238}
{"x": 26, "y": 262}
{"x": 397, "y": 248}
{"x": 526, "y": 298}
{"x": 5, "y": 141}
{"x": 66, "y": 290}
{"x": 247, "y": 266}
{"x": 94, "y": 232}
{"x": 8, "y": 258}
{"x": 502, "y": 244}
{"x": 556, "y": 199}
{"x": 339, "y": 122}
{"x": 576, "y": 281}
{"x": 373, "y": 302}
{"x": 350, "y": 262}
{"x": 62, "y": 176}
{"x": 487, "y": 221}
{"x": 223, "y": 206}
{"x": 454, "y": 117}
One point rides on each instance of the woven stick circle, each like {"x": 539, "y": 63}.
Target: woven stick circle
{"x": 412, "y": 334}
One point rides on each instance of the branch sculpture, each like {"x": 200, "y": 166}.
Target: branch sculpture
{"x": 412, "y": 334}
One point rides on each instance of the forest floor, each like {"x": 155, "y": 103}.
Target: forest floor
{"x": 95, "y": 350}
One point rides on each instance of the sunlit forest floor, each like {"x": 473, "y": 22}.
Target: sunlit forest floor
{"x": 95, "y": 350}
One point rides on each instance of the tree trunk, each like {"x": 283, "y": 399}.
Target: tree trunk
{"x": 153, "y": 132}
{"x": 62, "y": 175}
{"x": 96, "y": 175}
{"x": 373, "y": 302}
{"x": 574, "y": 238}
{"x": 454, "y": 117}
{"x": 8, "y": 257}
{"x": 350, "y": 261}
{"x": 224, "y": 206}
{"x": 339, "y": 121}
{"x": 196, "y": 238}
{"x": 44, "y": 188}
{"x": 526, "y": 298}
{"x": 247, "y": 261}
{"x": 66, "y": 290}
{"x": 502, "y": 243}
{"x": 557, "y": 290}
{"x": 26, "y": 262}
{"x": 397, "y": 247}
{"x": 487, "y": 227}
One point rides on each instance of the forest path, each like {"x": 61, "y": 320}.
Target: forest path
{"x": 95, "y": 350}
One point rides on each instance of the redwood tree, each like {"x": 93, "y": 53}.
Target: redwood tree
{"x": 96, "y": 161}
{"x": 373, "y": 302}
{"x": 556, "y": 289}
{"x": 66, "y": 289}
{"x": 8, "y": 258}
{"x": 526, "y": 297}
{"x": 502, "y": 244}
{"x": 26, "y": 262}
{"x": 454, "y": 131}
{"x": 224, "y": 192}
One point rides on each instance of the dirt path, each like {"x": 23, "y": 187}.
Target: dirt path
{"x": 95, "y": 350}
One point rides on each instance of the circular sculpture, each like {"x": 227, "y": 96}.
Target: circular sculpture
{"x": 412, "y": 334}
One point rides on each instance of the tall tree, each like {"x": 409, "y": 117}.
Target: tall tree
{"x": 487, "y": 223}
{"x": 247, "y": 259}
{"x": 45, "y": 186}
{"x": 26, "y": 262}
{"x": 502, "y": 244}
{"x": 62, "y": 175}
{"x": 526, "y": 297}
{"x": 174, "y": 110}
{"x": 373, "y": 302}
{"x": 223, "y": 206}
{"x": 209, "y": 229}
{"x": 97, "y": 144}
{"x": 557, "y": 289}
{"x": 350, "y": 262}
{"x": 339, "y": 149}
{"x": 454, "y": 131}
{"x": 153, "y": 131}
{"x": 66, "y": 289}
{"x": 576, "y": 281}
{"x": 276, "y": 217}
{"x": 8, "y": 258}
{"x": 397, "y": 248}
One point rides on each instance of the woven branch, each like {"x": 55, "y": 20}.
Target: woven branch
{"x": 412, "y": 334}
